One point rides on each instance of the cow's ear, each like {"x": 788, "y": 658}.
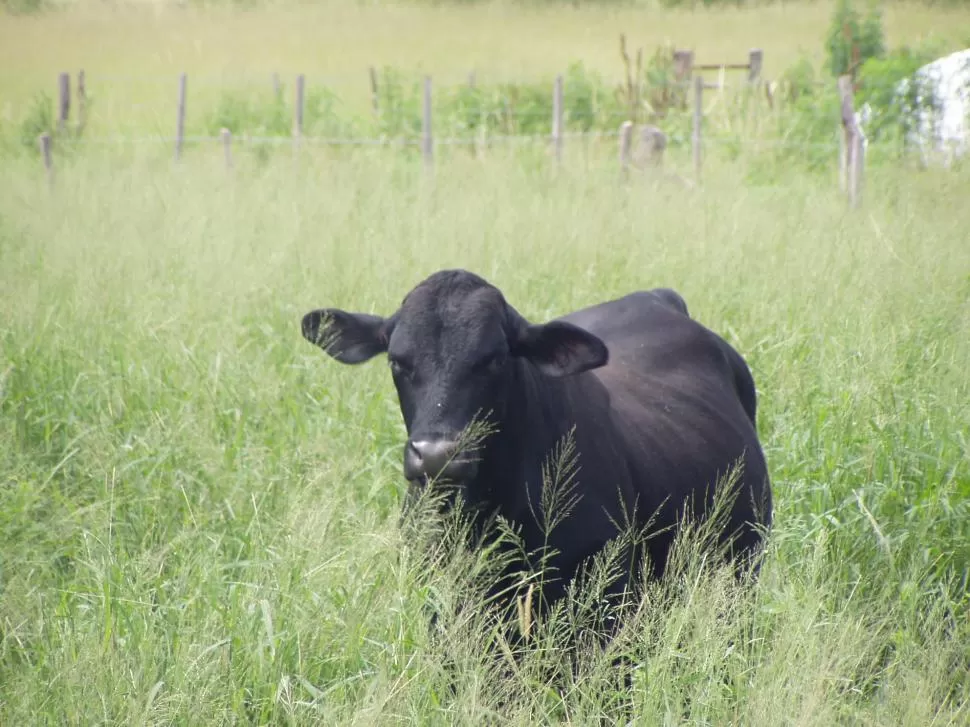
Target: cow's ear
{"x": 351, "y": 338}
{"x": 559, "y": 348}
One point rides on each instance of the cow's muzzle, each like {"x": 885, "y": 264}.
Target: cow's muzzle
{"x": 437, "y": 459}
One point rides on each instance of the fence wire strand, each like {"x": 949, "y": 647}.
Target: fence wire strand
{"x": 394, "y": 141}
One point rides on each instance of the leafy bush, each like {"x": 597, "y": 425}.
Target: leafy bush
{"x": 471, "y": 108}
{"x": 324, "y": 116}
{"x": 805, "y": 122}
{"x": 812, "y": 120}
{"x": 21, "y": 134}
{"x": 23, "y": 7}
{"x": 799, "y": 80}
{"x": 588, "y": 103}
{"x": 852, "y": 39}
{"x": 252, "y": 114}
{"x": 526, "y": 108}
{"x": 898, "y": 106}
{"x": 662, "y": 91}
{"x": 399, "y": 104}
{"x": 269, "y": 116}
{"x": 38, "y": 120}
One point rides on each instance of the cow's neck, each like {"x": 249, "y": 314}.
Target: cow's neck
{"x": 539, "y": 415}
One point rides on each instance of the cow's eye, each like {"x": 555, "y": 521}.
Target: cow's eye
{"x": 399, "y": 368}
{"x": 495, "y": 363}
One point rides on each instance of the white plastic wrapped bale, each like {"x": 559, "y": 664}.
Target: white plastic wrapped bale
{"x": 941, "y": 130}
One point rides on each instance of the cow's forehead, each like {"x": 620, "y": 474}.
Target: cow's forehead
{"x": 451, "y": 312}
{"x": 453, "y": 296}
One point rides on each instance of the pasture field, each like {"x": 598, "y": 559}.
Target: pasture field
{"x": 199, "y": 510}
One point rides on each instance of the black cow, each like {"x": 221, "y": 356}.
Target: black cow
{"x": 659, "y": 406}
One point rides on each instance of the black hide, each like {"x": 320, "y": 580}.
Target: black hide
{"x": 660, "y": 407}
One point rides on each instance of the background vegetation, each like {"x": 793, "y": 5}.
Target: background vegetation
{"x": 199, "y": 511}
{"x": 229, "y": 56}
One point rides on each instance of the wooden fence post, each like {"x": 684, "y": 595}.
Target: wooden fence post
{"x": 683, "y": 64}
{"x": 481, "y": 141}
{"x": 45, "y": 153}
{"x": 857, "y": 172}
{"x": 227, "y": 146}
{"x": 651, "y": 145}
{"x": 427, "y": 141}
{"x": 298, "y": 110}
{"x": 277, "y": 88}
{"x": 853, "y": 161}
{"x": 82, "y": 101}
{"x": 683, "y": 69}
{"x": 374, "y": 97}
{"x": 698, "y": 118}
{"x": 180, "y": 120}
{"x": 477, "y": 144}
{"x": 843, "y": 157}
{"x": 626, "y": 143}
{"x": 63, "y": 100}
{"x": 557, "y": 117}
{"x": 756, "y": 58}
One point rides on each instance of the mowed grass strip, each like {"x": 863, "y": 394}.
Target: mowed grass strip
{"x": 198, "y": 510}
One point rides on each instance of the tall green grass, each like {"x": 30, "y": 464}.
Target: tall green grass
{"x": 199, "y": 510}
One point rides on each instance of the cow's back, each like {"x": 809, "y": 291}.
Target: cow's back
{"x": 649, "y": 334}
{"x": 682, "y": 399}
{"x": 653, "y": 342}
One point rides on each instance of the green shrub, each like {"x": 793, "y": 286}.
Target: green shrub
{"x": 526, "y": 108}
{"x": 897, "y": 110}
{"x": 806, "y": 120}
{"x": 399, "y": 104}
{"x": 23, "y": 7}
{"x": 22, "y": 136}
{"x": 38, "y": 120}
{"x": 799, "y": 80}
{"x": 251, "y": 114}
{"x": 469, "y": 109}
{"x": 324, "y": 115}
{"x": 268, "y": 116}
{"x": 852, "y": 39}
{"x": 662, "y": 91}
{"x": 587, "y": 101}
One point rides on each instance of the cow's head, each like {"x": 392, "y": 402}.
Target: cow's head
{"x": 453, "y": 347}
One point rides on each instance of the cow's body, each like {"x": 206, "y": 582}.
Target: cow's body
{"x": 659, "y": 408}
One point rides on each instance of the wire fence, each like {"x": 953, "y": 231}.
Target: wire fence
{"x": 339, "y": 141}
{"x": 462, "y": 141}
{"x": 695, "y": 113}
{"x": 644, "y": 157}
{"x": 382, "y": 101}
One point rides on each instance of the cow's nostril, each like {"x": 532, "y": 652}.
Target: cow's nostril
{"x": 434, "y": 458}
{"x": 434, "y": 455}
{"x": 413, "y": 462}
